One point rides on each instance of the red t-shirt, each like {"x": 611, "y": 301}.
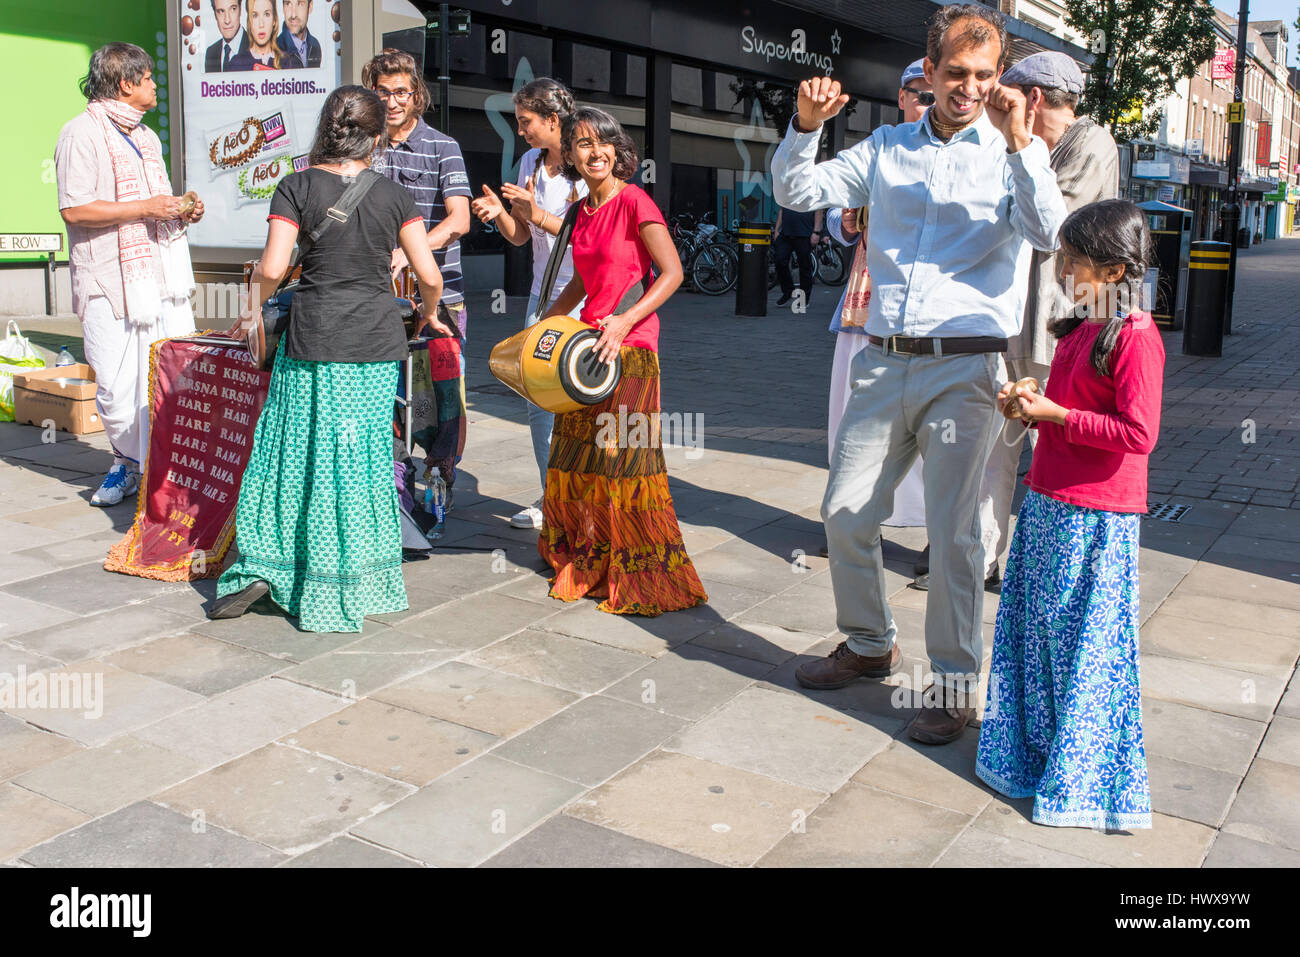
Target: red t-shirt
{"x": 1098, "y": 459}
{"x": 610, "y": 258}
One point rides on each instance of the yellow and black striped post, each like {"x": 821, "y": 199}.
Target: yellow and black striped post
{"x": 751, "y": 278}
{"x": 1207, "y": 289}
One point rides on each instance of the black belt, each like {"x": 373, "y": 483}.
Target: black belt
{"x": 940, "y": 345}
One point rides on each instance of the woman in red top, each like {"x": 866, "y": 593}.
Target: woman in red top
{"x": 608, "y": 526}
{"x": 1063, "y": 721}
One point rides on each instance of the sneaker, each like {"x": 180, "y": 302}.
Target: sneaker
{"x": 530, "y": 517}
{"x": 785, "y": 298}
{"x": 119, "y": 483}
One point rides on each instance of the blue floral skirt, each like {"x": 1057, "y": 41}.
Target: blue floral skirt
{"x": 1063, "y": 717}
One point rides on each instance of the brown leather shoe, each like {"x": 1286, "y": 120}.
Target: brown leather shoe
{"x": 843, "y": 666}
{"x": 941, "y": 721}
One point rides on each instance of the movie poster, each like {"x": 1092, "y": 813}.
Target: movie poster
{"x": 254, "y": 76}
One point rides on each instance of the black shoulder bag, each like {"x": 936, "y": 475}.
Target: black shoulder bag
{"x": 264, "y": 338}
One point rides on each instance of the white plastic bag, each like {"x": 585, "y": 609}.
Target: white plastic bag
{"x": 15, "y": 353}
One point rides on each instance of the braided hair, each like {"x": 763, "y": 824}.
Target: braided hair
{"x": 349, "y": 122}
{"x": 1112, "y": 232}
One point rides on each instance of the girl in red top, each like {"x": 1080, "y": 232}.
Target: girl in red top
{"x": 608, "y": 526}
{"x": 1063, "y": 720}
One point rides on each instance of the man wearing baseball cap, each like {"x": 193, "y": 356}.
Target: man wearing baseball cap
{"x": 1086, "y": 163}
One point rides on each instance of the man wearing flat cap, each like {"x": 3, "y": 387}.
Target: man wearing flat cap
{"x": 1086, "y": 163}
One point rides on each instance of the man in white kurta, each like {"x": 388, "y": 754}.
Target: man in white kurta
{"x": 128, "y": 255}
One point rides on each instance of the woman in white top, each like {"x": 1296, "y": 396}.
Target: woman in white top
{"x": 538, "y": 203}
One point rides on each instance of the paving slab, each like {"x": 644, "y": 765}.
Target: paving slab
{"x": 554, "y": 659}
{"x": 1169, "y": 842}
{"x": 636, "y": 633}
{"x": 148, "y": 835}
{"x": 499, "y": 704}
{"x": 982, "y": 849}
{"x": 197, "y": 663}
{"x": 1234, "y": 613}
{"x": 1265, "y": 806}
{"x": 1222, "y": 581}
{"x": 1230, "y": 850}
{"x": 697, "y": 807}
{"x": 470, "y": 813}
{"x": 689, "y": 682}
{"x": 1222, "y": 646}
{"x": 1196, "y": 736}
{"x": 787, "y": 737}
{"x": 392, "y": 741}
{"x": 565, "y": 841}
{"x": 111, "y": 776}
{"x": 354, "y": 674}
{"x": 808, "y": 609}
{"x": 98, "y": 701}
{"x": 99, "y": 635}
{"x": 591, "y": 740}
{"x": 943, "y": 776}
{"x": 239, "y": 721}
{"x": 348, "y": 852}
{"x": 73, "y": 590}
{"x": 18, "y": 616}
{"x": 1282, "y": 743}
{"x": 1213, "y": 688}
{"x": 770, "y": 644}
{"x": 15, "y": 661}
{"x": 267, "y": 629}
{"x": 862, "y": 827}
{"x": 24, "y": 746}
{"x": 1273, "y": 523}
{"x": 284, "y": 797}
{"x": 27, "y": 818}
{"x": 476, "y": 621}
{"x": 1190, "y": 791}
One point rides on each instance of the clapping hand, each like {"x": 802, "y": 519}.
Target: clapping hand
{"x": 488, "y": 206}
{"x": 819, "y": 99}
{"x": 1008, "y": 111}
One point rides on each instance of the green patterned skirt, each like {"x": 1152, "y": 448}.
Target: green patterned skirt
{"x": 317, "y": 516}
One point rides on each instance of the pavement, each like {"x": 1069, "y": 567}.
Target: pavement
{"x": 491, "y": 725}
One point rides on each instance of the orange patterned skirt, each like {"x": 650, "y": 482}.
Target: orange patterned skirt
{"x": 609, "y": 530}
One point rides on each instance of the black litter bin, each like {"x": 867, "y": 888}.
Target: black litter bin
{"x": 1171, "y": 233}
{"x": 1243, "y": 238}
{"x": 1207, "y": 292}
{"x": 751, "y": 278}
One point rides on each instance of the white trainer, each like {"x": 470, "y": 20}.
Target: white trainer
{"x": 117, "y": 485}
{"x": 530, "y": 517}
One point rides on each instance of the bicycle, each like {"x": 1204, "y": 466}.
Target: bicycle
{"x": 830, "y": 262}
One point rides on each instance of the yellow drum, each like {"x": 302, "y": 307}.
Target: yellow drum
{"x": 553, "y": 365}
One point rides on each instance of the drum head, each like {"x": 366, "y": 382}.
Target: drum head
{"x": 585, "y": 378}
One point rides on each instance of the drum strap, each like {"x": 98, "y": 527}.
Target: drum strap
{"x": 557, "y": 258}
{"x": 630, "y": 298}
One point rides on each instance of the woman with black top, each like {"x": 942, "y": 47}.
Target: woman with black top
{"x": 317, "y": 520}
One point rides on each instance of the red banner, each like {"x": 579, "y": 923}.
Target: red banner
{"x": 1224, "y": 64}
{"x": 204, "y": 400}
{"x": 1263, "y": 143}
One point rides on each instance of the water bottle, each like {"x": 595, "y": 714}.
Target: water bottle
{"x": 435, "y": 503}
{"x": 65, "y": 358}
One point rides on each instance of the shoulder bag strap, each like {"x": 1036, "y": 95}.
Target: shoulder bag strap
{"x": 339, "y": 212}
{"x": 557, "y": 257}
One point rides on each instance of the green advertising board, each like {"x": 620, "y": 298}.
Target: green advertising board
{"x": 45, "y": 48}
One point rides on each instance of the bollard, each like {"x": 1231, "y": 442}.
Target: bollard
{"x": 751, "y": 278}
{"x": 1207, "y": 290}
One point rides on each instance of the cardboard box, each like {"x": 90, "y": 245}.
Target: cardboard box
{"x": 54, "y": 394}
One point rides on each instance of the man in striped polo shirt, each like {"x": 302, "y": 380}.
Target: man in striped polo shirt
{"x": 429, "y": 164}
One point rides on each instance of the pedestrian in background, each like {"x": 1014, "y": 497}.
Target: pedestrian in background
{"x": 1063, "y": 717}
{"x": 796, "y": 233}
{"x": 538, "y": 203}
{"x": 427, "y": 162}
{"x": 128, "y": 253}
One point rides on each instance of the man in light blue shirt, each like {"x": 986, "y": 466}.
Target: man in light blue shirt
{"x": 955, "y": 204}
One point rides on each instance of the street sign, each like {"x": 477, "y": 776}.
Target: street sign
{"x": 1236, "y": 111}
{"x": 457, "y": 23}
{"x": 1194, "y": 147}
{"x": 1224, "y": 64}
{"x": 31, "y": 242}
